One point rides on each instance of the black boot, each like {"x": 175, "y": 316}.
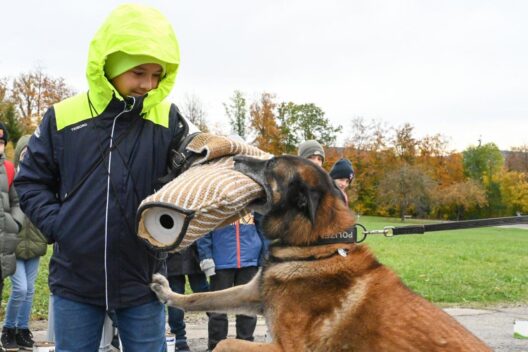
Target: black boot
{"x": 9, "y": 340}
{"x": 24, "y": 339}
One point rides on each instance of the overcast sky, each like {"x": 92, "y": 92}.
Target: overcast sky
{"x": 458, "y": 68}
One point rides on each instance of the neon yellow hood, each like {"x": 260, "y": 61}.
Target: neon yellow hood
{"x": 135, "y": 30}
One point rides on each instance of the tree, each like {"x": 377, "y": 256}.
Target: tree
{"x": 236, "y": 111}
{"x": 517, "y": 159}
{"x": 192, "y": 109}
{"x": 462, "y": 196}
{"x": 264, "y": 124}
{"x": 514, "y": 191}
{"x": 406, "y": 189}
{"x": 33, "y": 93}
{"x": 404, "y": 143}
{"x": 483, "y": 160}
{"x": 300, "y": 122}
{"x": 8, "y": 116}
{"x": 3, "y": 90}
{"x": 365, "y": 149}
{"x": 8, "y": 113}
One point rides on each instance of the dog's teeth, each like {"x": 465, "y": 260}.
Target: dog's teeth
{"x": 342, "y": 252}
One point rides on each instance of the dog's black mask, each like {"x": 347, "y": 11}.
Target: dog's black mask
{"x": 293, "y": 185}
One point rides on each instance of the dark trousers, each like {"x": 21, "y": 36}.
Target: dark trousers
{"x": 218, "y": 324}
{"x": 198, "y": 283}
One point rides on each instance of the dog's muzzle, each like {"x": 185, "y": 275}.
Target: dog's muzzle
{"x": 256, "y": 170}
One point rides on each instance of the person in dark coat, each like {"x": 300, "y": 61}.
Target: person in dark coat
{"x": 181, "y": 266}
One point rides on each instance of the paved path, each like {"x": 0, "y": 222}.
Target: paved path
{"x": 493, "y": 325}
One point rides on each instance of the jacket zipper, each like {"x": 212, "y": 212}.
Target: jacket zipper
{"x": 126, "y": 109}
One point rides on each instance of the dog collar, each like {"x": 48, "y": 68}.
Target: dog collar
{"x": 347, "y": 236}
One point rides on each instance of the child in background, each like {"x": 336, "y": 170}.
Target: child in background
{"x": 12, "y": 219}
{"x": 343, "y": 174}
{"x": 32, "y": 246}
{"x": 313, "y": 151}
{"x": 230, "y": 256}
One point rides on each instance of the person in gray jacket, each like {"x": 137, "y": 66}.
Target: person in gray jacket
{"x": 11, "y": 217}
{"x": 33, "y": 245}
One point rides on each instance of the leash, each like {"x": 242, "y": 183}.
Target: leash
{"x": 389, "y": 231}
{"x": 358, "y": 233}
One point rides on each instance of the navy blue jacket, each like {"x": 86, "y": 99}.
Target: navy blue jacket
{"x": 83, "y": 196}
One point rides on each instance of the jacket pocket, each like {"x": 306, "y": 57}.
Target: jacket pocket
{"x": 7, "y": 265}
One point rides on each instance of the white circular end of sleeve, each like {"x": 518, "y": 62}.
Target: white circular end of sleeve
{"x": 163, "y": 224}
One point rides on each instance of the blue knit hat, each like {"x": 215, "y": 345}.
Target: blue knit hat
{"x": 342, "y": 169}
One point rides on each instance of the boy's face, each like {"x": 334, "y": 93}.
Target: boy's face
{"x": 342, "y": 183}
{"x": 138, "y": 81}
{"x": 316, "y": 159}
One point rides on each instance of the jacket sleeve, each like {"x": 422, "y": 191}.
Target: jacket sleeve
{"x": 204, "y": 246}
{"x": 16, "y": 212}
{"x": 37, "y": 182}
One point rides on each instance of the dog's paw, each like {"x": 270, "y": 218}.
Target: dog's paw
{"x": 161, "y": 287}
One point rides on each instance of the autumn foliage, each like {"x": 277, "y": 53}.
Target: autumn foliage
{"x": 396, "y": 173}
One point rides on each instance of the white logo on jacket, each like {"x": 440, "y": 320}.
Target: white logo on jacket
{"x": 73, "y": 129}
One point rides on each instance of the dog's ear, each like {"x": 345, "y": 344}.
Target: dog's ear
{"x": 308, "y": 201}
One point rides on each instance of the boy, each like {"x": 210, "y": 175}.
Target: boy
{"x": 342, "y": 173}
{"x": 92, "y": 160}
{"x": 313, "y": 151}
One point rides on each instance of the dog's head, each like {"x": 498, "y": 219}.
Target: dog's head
{"x": 302, "y": 201}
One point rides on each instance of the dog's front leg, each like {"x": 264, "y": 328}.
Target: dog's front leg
{"x": 243, "y": 299}
{"x": 236, "y": 345}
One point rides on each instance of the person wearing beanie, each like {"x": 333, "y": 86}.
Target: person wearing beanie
{"x": 313, "y": 151}
{"x": 92, "y": 160}
{"x": 342, "y": 173}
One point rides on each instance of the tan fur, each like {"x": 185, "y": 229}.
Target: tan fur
{"x": 315, "y": 299}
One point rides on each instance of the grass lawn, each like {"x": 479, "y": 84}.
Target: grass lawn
{"x": 471, "y": 267}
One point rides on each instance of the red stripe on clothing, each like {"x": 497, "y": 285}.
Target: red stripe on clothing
{"x": 237, "y": 230}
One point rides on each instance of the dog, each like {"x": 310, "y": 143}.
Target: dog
{"x": 318, "y": 290}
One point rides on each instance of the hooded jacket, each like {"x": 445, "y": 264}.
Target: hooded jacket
{"x": 10, "y": 219}
{"x": 32, "y": 243}
{"x": 92, "y": 160}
